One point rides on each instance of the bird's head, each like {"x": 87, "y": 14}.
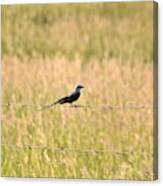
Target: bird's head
{"x": 78, "y": 88}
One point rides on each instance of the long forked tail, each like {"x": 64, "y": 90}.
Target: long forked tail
{"x": 60, "y": 101}
{"x": 48, "y": 106}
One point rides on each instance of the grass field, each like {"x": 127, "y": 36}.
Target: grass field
{"x": 80, "y": 31}
{"x": 46, "y": 51}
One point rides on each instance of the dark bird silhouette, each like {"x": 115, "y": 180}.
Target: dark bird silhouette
{"x": 74, "y": 96}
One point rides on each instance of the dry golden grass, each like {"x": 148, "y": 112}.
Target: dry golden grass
{"x": 88, "y": 31}
{"x": 78, "y": 129}
{"x": 107, "y": 47}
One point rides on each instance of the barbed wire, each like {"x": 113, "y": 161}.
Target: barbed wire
{"x": 80, "y": 151}
{"x": 41, "y": 106}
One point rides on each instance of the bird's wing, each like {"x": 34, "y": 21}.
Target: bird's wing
{"x": 62, "y": 100}
{"x": 74, "y": 96}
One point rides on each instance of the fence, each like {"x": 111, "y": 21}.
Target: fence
{"x": 40, "y": 107}
{"x": 80, "y": 151}
{"x": 102, "y": 106}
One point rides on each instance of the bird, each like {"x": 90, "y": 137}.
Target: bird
{"x": 74, "y": 96}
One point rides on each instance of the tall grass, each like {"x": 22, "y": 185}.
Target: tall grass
{"x": 78, "y": 128}
{"x": 82, "y": 31}
{"x": 47, "y": 50}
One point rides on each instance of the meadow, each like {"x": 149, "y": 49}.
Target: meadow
{"x": 46, "y": 51}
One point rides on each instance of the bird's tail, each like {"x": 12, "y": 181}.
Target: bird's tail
{"x": 60, "y": 101}
{"x": 49, "y": 106}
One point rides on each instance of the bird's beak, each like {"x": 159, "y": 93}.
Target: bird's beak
{"x": 82, "y": 87}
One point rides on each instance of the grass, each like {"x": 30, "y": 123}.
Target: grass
{"x": 49, "y": 49}
{"x": 96, "y": 31}
{"x": 77, "y": 128}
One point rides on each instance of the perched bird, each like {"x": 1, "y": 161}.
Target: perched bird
{"x": 74, "y": 96}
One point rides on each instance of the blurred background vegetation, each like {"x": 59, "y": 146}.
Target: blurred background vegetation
{"x": 85, "y": 31}
{"x": 44, "y": 48}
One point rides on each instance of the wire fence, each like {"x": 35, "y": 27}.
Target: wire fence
{"x": 79, "y": 151}
{"x": 42, "y": 106}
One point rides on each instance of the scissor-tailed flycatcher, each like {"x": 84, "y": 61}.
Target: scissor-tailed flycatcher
{"x": 74, "y": 96}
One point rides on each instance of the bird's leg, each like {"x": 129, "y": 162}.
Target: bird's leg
{"x": 73, "y": 105}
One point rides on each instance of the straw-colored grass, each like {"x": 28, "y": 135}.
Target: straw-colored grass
{"x": 78, "y": 129}
{"x": 46, "y": 51}
{"x": 84, "y": 31}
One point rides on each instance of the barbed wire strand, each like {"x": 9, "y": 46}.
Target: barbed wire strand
{"x": 40, "y": 106}
{"x": 85, "y": 151}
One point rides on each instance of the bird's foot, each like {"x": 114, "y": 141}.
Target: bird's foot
{"x": 72, "y": 105}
